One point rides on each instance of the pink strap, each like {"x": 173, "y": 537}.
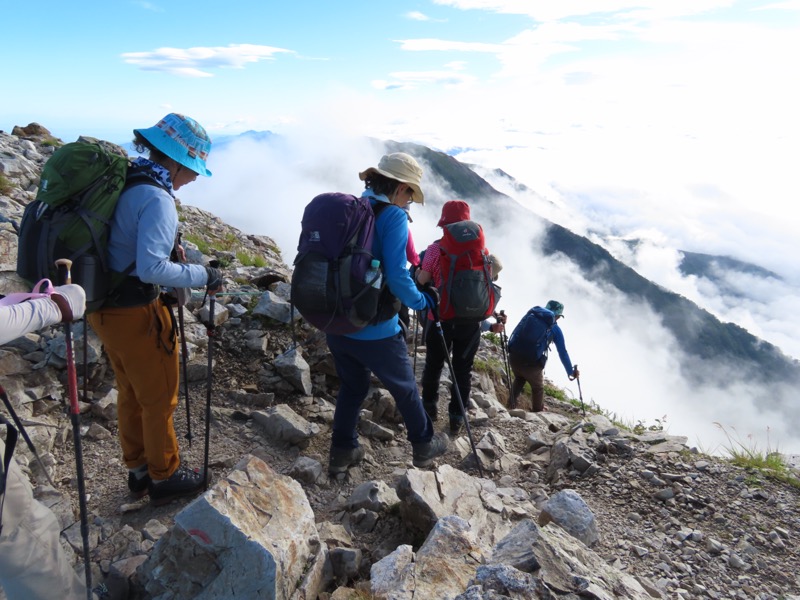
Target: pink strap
{"x": 18, "y": 297}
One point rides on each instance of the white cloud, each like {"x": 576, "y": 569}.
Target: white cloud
{"x": 150, "y": 6}
{"x": 410, "y": 80}
{"x": 434, "y": 45}
{"x": 199, "y": 61}
{"x": 788, "y": 5}
{"x": 552, "y": 11}
{"x": 417, "y": 16}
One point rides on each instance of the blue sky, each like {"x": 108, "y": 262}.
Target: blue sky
{"x": 671, "y": 121}
{"x": 409, "y": 69}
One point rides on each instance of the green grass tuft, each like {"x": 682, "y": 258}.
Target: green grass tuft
{"x": 249, "y": 260}
{"x": 768, "y": 462}
{"x": 5, "y": 186}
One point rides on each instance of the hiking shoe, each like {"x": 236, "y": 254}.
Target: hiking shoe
{"x": 431, "y": 409}
{"x": 425, "y": 452}
{"x": 183, "y": 482}
{"x": 456, "y": 423}
{"x": 343, "y": 458}
{"x": 138, "y": 486}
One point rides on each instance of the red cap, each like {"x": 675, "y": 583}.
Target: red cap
{"x": 454, "y": 211}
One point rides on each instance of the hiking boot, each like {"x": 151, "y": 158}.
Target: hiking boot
{"x": 431, "y": 409}
{"x": 456, "y": 423}
{"x": 183, "y": 482}
{"x": 425, "y": 452}
{"x": 342, "y": 459}
{"x": 138, "y": 486}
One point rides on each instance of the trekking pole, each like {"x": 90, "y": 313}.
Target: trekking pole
{"x": 580, "y": 393}
{"x": 176, "y": 257}
{"x": 185, "y": 372}
{"x": 438, "y": 325}
{"x": 416, "y": 331}
{"x": 210, "y": 333}
{"x": 504, "y": 344}
{"x": 85, "y": 360}
{"x": 63, "y": 265}
{"x": 24, "y": 434}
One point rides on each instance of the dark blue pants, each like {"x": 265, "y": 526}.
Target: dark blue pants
{"x": 462, "y": 340}
{"x": 388, "y": 360}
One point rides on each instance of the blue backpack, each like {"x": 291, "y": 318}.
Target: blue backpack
{"x": 531, "y": 336}
{"x": 330, "y": 287}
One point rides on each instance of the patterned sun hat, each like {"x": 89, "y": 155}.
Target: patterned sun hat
{"x": 182, "y": 139}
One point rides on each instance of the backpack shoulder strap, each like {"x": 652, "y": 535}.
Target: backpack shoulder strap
{"x": 379, "y": 207}
{"x": 138, "y": 176}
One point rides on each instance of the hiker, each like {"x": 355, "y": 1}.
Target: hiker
{"x": 380, "y": 347}
{"x": 33, "y": 564}
{"x": 136, "y": 325}
{"x": 462, "y": 336}
{"x": 527, "y": 362}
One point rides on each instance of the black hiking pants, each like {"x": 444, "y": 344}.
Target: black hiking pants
{"x": 462, "y": 341}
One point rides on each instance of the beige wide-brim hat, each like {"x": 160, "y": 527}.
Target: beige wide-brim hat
{"x": 401, "y": 167}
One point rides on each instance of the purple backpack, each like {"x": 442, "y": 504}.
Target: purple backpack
{"x": 329, "y": 286}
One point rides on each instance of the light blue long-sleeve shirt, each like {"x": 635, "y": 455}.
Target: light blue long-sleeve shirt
{"x": 143, "y": 231}
{"x": 389, "y": 246}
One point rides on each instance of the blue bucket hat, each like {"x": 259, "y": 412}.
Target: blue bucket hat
{"x": 182, "y": 139}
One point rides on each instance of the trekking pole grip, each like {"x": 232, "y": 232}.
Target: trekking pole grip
{"x": 214, "y": 264}
{"x": 64, "y": 268}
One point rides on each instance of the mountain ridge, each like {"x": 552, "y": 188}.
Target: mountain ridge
{"x": 702, "y": 335}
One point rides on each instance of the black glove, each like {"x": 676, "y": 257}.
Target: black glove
{"x": 214, "y": 281}
{"x": 431, "y": 295}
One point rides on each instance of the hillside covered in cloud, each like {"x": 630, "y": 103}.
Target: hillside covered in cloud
{"x": 702, "y": 335}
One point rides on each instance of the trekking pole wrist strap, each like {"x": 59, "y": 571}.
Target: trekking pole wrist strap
{"x": 63, "y": 306}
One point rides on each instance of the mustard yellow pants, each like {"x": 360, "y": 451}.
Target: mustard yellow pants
{"x": 141, "y": 345}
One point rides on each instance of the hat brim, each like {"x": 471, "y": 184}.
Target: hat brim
{"x": 168, "y": 146}
{"x": 418, "y": 196}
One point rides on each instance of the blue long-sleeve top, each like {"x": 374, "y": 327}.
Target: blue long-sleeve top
{"x": 143, "y": 231}
{"x": 389, "y": 246}
{"x": 557, "y": 336}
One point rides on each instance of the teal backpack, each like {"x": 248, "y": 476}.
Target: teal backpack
{"x": 78, "y": 192}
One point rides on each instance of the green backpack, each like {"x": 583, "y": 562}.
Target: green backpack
{"x": 78, "y": 192}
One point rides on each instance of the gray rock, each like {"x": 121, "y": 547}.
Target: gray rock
{"x": 220, "y": 539}
{"x": 567, "y": 509}
{"x": 284, "y": 426}
{"x": 292, "y": 366}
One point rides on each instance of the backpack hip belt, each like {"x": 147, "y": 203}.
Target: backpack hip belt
{"x": 133, "y": 292}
